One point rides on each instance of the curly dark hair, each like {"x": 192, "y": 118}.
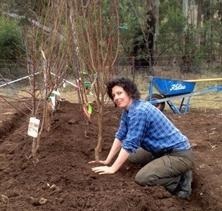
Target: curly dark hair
{"x": 128, "y": 86}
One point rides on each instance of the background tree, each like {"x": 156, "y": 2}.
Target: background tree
{"x": 186, "y": 32}
{"x": 138, "y": 31}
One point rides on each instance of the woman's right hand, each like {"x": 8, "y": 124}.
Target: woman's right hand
{"x": 104, "y": 162}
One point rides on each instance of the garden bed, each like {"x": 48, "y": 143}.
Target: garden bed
{"x": 63, "y": 179}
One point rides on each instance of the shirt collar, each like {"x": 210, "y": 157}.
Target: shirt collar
{"x": 135, "y": 101}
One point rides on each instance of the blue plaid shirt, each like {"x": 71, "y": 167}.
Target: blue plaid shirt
{"x": 143, "y": 125}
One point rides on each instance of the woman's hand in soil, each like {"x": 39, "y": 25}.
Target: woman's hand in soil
{"x": 103, "y": 170}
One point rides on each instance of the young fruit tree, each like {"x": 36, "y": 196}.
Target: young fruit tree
{"x": 95, "y": 26}
{"x": 47, "y": 62}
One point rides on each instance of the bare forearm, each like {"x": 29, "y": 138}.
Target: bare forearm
{"x": 122, "y": 157}
{"x": 113, "y": 151}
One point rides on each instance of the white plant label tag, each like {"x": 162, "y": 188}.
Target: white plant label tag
{"x": 33, "y": 127}
{"x": 53, "y": 100}
{"x": 56, "y": 92}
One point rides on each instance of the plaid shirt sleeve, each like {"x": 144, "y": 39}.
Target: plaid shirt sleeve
{"x": 137, "y": 124}
{"x": 122, "y": 131}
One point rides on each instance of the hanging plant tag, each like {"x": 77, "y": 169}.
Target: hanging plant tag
{"x": 53, "y": 100}
{"x": 56, "y": 92}
{"x": 90, "y": 108}
{"x": 33, "y": 127}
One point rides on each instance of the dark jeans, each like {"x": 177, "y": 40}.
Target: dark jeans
{"x": 164, "y": 170}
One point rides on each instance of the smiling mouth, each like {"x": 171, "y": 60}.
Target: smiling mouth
{"x": 118, "y": 103}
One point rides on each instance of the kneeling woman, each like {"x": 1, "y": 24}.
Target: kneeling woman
{"x": 146, "y": 136}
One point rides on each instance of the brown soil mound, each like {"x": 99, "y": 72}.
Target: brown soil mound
{"x": 63, "y": 180}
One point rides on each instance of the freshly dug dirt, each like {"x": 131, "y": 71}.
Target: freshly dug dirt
{"x": 62, "y": 180}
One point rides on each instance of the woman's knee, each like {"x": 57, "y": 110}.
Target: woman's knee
{"x": 146, "y": 179}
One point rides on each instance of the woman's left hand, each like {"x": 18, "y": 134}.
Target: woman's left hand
{"x": 103, "y": 170}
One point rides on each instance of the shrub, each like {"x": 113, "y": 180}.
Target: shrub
{"x": 11, "y": 44}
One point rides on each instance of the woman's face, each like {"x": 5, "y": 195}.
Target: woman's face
{"x": 120, "y": 97}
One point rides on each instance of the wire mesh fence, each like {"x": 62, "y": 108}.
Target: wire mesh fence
{"x": 124, "y": 66}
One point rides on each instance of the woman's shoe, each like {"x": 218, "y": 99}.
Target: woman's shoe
{"x": 185, "y": 185}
